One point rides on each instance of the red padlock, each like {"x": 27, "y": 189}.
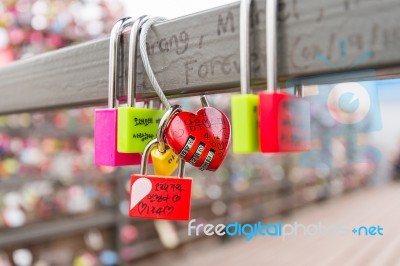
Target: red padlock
{"x": 159, "y": 197}
{"x": 284, "y": 119}
{"x": 285, "y": 123}
{"x": 202, "y": 139}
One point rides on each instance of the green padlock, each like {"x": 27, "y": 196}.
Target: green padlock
{"x": 245, "y": 138}
{"x": 136, "y": 126}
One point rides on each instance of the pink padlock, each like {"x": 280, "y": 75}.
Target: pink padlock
{"x": 105, "y": 127}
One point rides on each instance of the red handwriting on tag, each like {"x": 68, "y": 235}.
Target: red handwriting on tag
{"x": 157, "y": 197}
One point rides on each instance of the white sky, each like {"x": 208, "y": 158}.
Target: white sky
{"x": 169, "y": 8}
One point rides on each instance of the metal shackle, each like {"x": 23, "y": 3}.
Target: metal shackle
{"x": 174, "y": 109}
{"x": 245, "y": 10}
{"x": 132, "y": 63}
{"x": 114, "y": 54}
{"x": 271, "y": 44}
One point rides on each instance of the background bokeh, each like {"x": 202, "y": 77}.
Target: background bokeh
{"x": 57, "y": 208}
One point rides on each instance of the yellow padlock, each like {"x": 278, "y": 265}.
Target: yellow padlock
{"x": 164, "y": 163}
{"x": 165, "y": 160}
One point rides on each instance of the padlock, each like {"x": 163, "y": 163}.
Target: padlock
{"x": 159, "y": 197}
{"x": 164, "y": 159}
{"x": 164, "y": 163}
{"x": 244, "y": 107}
{"x": 285, "y": 123}
{"x": 136, "y": 126}
{"x": 202, "y": 139}
{"x": 105, "y": 122}
{"x": 284, "y": 119}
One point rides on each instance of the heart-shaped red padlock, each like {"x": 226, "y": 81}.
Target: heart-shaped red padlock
{"x": 202, "y": 139}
